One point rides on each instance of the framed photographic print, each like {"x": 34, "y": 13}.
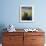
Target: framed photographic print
{"x": 26, "y": 13}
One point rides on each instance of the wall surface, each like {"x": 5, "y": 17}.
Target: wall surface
{"x": 9, "y": 13}
{"x": 9, "y": 10}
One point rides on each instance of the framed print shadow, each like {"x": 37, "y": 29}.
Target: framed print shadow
{"x": 26, "y": 13}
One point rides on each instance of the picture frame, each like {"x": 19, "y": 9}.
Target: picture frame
{"x": 26, "y": 13}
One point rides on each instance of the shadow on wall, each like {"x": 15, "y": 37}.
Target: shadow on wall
{"x": 2, "y": 26}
